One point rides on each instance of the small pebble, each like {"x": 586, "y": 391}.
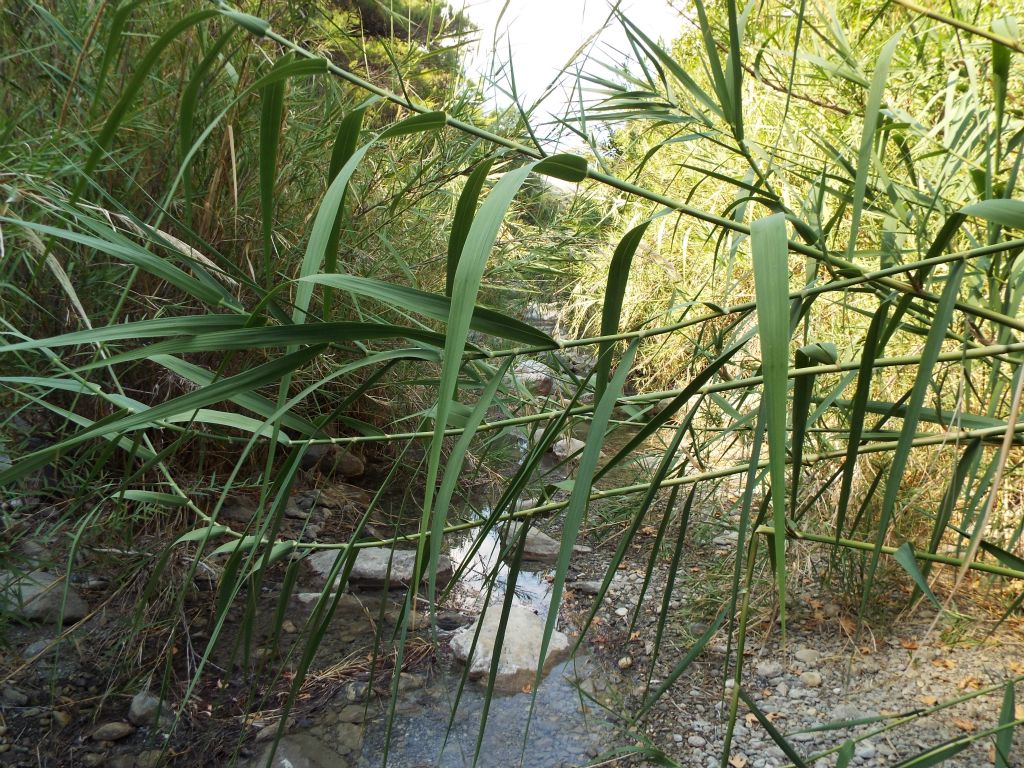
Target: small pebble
{"x": 62, "y": 717}
{"x": 36, "y": 648}
{"x": 807, "y": 655}
{"x": 14, "y": 697}
{"x": 811, "y": 679}
{"x": 769, "y": 669}
{"x": 113, "y": 731}
{"x": 149, "y": 759}
{"x": 865, "y": 750}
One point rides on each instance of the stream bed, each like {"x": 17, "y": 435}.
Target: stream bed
{"x": 438, "y": 714}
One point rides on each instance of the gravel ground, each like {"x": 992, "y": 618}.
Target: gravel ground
{"x": 897, "y": 676}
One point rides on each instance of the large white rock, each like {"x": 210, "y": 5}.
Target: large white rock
{"x": 539, "y": 378}
{"x": 37, "y": 596}
{"x": 371, "y": 567}
{"x": 305, "y": 750}
{"x": 520, "y": 651}
{"x": 564, "y": 446}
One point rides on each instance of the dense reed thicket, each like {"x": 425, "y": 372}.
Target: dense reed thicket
{"x": 790, "y": 244}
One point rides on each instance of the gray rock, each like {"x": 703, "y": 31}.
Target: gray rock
{"x": 520, "y": 652}
{"x": 34, "y": 551}
{"x": 371, "y": 567}
{"x": 352, "y": 713}
{"x": 588, "y": 587}
{"x": 299, "y": 751}
{"x": 348, "y": 738}
{"x": 13, "y": 697}
{"x": 113, "y": 731}
{"x": 38, "y": 596}
{"x": 697, "y": 741}
{"x": 538, "y": 548}
{"x": 865, "y": 750}
{"x": 147, "y": 707}
{"x": 333, "y": 460}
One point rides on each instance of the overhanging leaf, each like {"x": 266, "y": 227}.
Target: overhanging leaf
{"x": 771, "y": 280}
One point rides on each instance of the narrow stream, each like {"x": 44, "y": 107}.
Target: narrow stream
{"x": 565, "y": 728}
{"x": 441, "y": 718}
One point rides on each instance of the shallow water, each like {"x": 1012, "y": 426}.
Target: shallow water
{"x": 559, "y": 726}
{"x": 532, "y": 588}
{"x": 565, "y": 729}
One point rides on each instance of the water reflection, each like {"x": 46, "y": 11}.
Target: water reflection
{"x": 562, "y": 732}
{"x": 487, "y": 569}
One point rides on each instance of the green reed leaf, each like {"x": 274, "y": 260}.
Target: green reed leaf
{"x": 435, "y": 306}
{"x": 771, "y": 281}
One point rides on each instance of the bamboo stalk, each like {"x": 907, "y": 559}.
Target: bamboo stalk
{"x": 962, "y": 25}
{"x": 867, "y": 546}
{"x": 994, "y": 350}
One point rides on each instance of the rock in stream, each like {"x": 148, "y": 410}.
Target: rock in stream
{"x": 520, "y": 652}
